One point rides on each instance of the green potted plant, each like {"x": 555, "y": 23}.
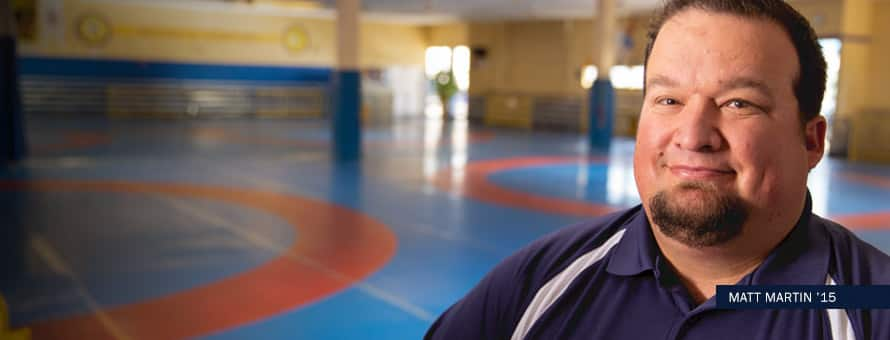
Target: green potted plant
{"x": 446, "y": 87}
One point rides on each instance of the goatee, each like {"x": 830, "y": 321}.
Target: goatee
{"x": 713, "y": 218}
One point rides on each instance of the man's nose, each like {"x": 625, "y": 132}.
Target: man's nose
{"x": 697, "y": 127}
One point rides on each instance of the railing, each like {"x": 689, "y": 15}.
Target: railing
{"x": 567, "y": 113}
{"x": 171, "y": 98}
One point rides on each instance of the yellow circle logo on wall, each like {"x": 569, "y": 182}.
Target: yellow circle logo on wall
{"x": 93, "y": 29}
{"x": 296, "y": 39}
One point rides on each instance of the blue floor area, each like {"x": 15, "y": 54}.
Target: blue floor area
{"x": 86, "y": 250}
{"x": 130, "y": 248}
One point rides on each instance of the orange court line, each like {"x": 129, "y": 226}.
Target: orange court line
{"x": 866, "y": 221}
{"x": 331, "y": 239}
{"x": 476, "y": 185}
{"x": 74, "y": 140}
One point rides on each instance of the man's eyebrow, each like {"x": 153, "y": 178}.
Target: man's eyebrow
{"x": 745, "y": 82}
{"x": 732, "y": 84}
{"x": 661, "y": 81}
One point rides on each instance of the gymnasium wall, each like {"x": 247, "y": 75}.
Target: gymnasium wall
{"x": 166, "y": 51}
{"x": 879, "y": 67}
{"x": 530, "y": 76}
{"x": 865, "y": 102}
{"x": 215, "y": 34}
{"x": 447, "y": 34}
{"x": 531, "y": 73}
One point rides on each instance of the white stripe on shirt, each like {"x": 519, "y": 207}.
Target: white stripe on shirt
{"x": 551, "y": 291}
{"x": 841, "y": 328}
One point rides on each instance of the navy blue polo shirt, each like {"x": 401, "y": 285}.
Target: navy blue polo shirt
{"x": 606, "y": 279}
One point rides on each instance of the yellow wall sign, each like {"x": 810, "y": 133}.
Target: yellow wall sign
{"x": 93, "y": 29}
{"x": 295, "y": 39}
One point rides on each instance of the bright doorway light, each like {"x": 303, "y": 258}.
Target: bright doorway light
{"x": 588, "y": 75}
{"x": 438, "y": 59}
{"x": 461, "y": 67}
{"x": 622, "y": 76}
{"x": 831, "y": 49}
{"x": 627, "y": 77}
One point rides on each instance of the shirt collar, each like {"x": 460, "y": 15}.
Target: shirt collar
{"x": 802, "y": 258}
{"x": 637, "y": 250}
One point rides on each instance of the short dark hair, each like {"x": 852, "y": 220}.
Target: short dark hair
{"x": 809, "y": 87}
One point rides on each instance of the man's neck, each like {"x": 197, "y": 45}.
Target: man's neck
{"x": 702, "y": 269}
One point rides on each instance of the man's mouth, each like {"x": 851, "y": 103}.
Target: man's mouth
{"x": 700, "y": 172}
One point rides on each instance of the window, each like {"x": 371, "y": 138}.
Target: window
{"x": 438, "y": 59}
{"x": 831, "y": 48}
{"x": 622, "y": 76}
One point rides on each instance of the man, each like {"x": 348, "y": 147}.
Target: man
{"x": 729, "y": 130}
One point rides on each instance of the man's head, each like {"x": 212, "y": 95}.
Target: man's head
{"x": 809, "y": 87}
{"x": 730, "y": 122}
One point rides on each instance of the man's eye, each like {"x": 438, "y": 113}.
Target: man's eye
{"x": 667, "y": 101}
{"x": 738, "y": 104}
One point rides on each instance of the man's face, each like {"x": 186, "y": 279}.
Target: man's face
{"x": 719, "y": 143}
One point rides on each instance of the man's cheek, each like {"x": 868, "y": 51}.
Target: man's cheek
{"x": 649, "y": 133}
{"x": 761, "y": 173}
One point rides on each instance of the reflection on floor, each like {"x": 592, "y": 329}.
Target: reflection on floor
{"x": 244, "y": 229}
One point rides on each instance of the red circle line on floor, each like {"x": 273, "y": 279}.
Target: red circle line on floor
{"x": 73, "y": 140}
{"x": 476, "y": 184}
{"x": 336, "y": 247}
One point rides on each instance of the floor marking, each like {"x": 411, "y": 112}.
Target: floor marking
{"x": 55, "y": 262}
{"x": 267, "y": 244}
{"x": 264, "y": 289}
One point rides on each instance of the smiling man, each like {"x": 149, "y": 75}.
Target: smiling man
{"x": 729, "y": 130}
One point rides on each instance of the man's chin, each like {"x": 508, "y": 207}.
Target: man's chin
{"x": 698, "y": 214}
{"x": 693, "y": 196}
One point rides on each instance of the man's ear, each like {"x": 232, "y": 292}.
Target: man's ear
{"x": 814, "y": 137}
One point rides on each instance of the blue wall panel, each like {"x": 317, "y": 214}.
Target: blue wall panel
{"x": 107, "y": 68}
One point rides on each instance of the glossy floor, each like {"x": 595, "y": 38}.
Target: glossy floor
{"x": 244, "y": 229}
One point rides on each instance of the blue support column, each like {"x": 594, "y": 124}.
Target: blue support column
{"x": 602, "y": 95}
{"x": 12, "y": 122}
{"x": 602, "y": 114}
{"x": 346, "y": 117}
{"x": 346, "y": 85}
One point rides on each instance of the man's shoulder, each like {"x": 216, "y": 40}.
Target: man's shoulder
{"x": 856, "y": 262}
{"x": 493, "y": 308}
{"x": 588, "y": 233}
{"x": 552, "y": 253}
